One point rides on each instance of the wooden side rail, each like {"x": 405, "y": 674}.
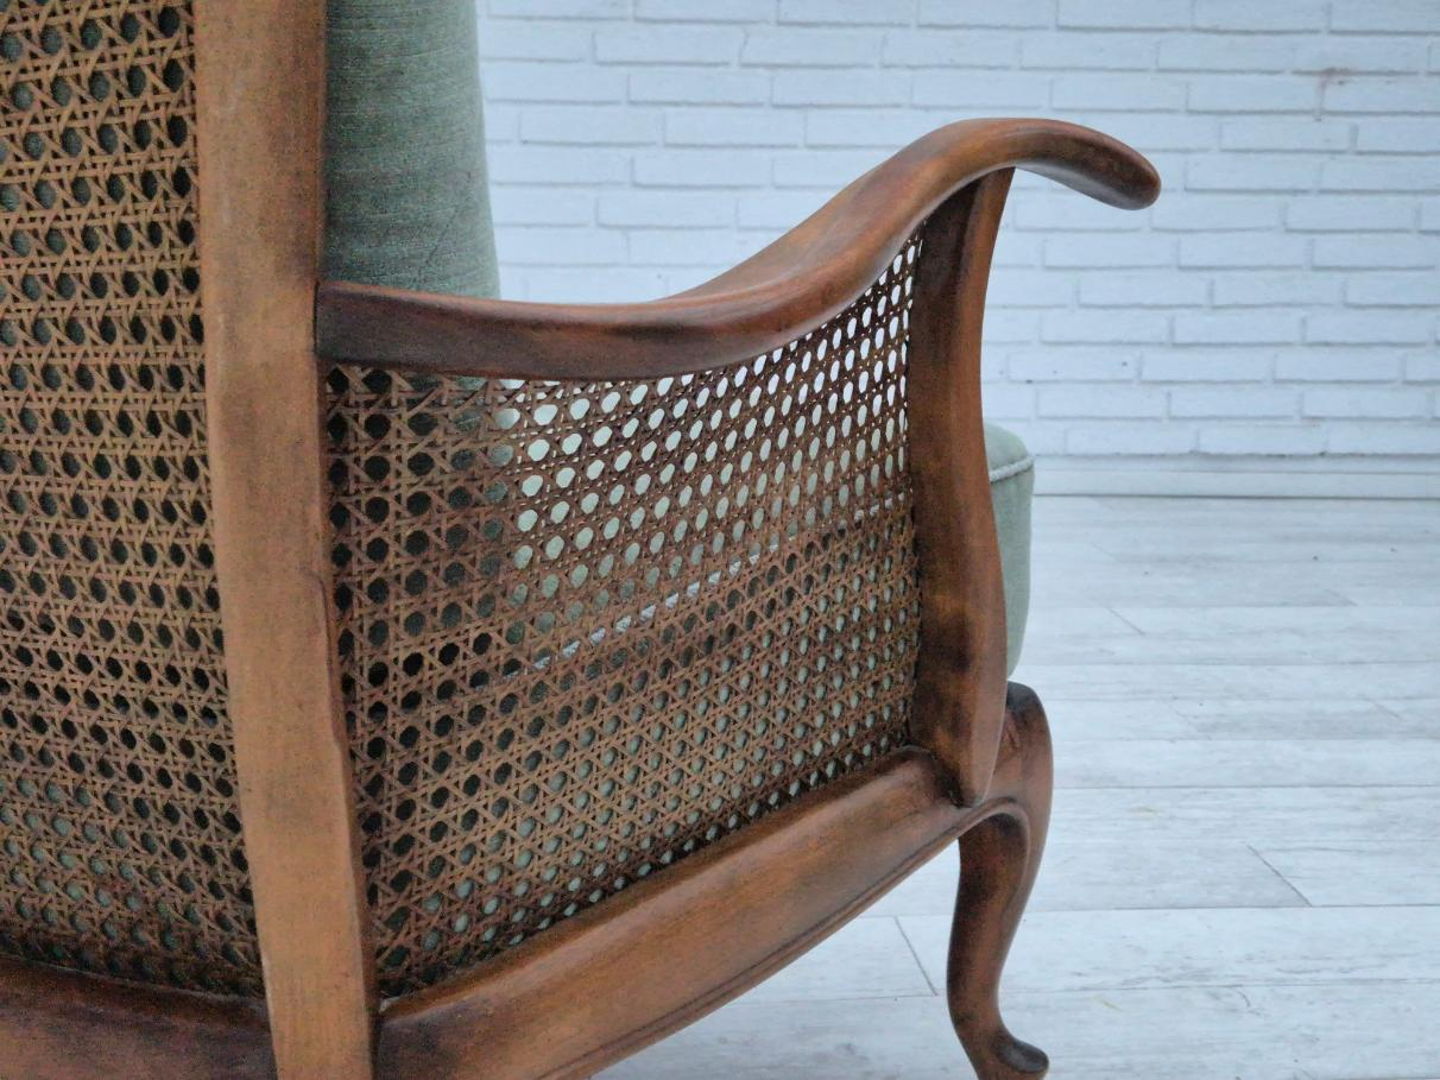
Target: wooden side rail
{"x": 799, "y": 281}
{"x": 623, "y": 974}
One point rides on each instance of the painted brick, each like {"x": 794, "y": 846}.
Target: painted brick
{"x": 775, "y": 210}
{"x": 1376, "y": 252}
{"x": 536, "y": 41}
{"x": 829, "y": 169}
{"x": 1060, "y": 210}
{"x": 1260, "y": 14}
{"x": 1253, "y": 94}
{"x": 1252, "y": 172}
{"x": 886, "y": 128}
{"x": 700, "y": 87}
{"x": 677, "y": 167}
{"x": 981, "y": 90}
{"x": 1104, "y": 327}
{"x": 1301, "y": 133}
{"x": 733, "y": 127}
{"x": 868, "y": 88}
{"x": 715, "y": 249}
{"x": 1075, "y": 252}
{"x": 520, "y": 206}
{"x": 1316, "y": 364}
{"x": 535, "y": 165}
{"x": 1161, "y": 133}
{"x": 561, "y": 9}
{"x": 1423, "y": 438}
{"x": 1354, "y": 54}
{"x": 1392, "y": 289}
{"x": 1423, "y": 367}
{"x": 1073, "y": 364}
{"x": 1350, "y": 213}
{"x": 1120, "y": 437}
{"x": 1365, "y": 402}
{"x": 932, "y": 48}
{"x": 584, "y": 125}
{"x": 1008, "y": 326}
{"x": 1142, "y": 290}
{"x": 1230, "y": 365}
{"x": 1218, "y": 402}
{"x": 1005, "y": 402}
{"x": 689, "y": 11}
{"x": 1400, "y": 136}
{"x": 1284, "y": 287}
{"x": 854, "y": 12}
{"x": 1272, "y": 439}
{"x": 1116, "y": 52}
{"x": 668, "y": 45}
{"x": 1307, "y": 288}
{"x": 1400, "y": 16}
{"x": 1039, "y": 438}
{"x": 1015, "y": 287}
{"x": 1372, "y": 95}
{"x": 677, "y": 209}
{"x": 1225, "y": 52}
{"x": 1430, "y": 215}
{"x": 1100, "y": 401}
{"x": 1130, "y": 93}
{"x": 553, "y": 82}
{"x": 1218, "y": 250}
{"x": 1209, "y": 213}
{"x": 1261, "y": 327}
{"x": 1125, "y": 14}
{"x": 587, "y": 285}
{"x": 1370, "y": 328}
{"x": 810, "y": 47}
{"x": 1012, "y": 13}
{"x": 542, "y": 246}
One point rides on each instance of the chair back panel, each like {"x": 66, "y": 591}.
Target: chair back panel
{"x": 588, "y": 628}
{"x": 120, "y": 846}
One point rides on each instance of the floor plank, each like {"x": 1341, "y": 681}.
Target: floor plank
{"x": 1378, "y": 1031}
{"x": 1127, "y": 950}
{"x": 1243, "y": 875}
{"x": 1378, "y": 871}
{"x": 1248, "y": 763}
{"x": 1091, "y": 875}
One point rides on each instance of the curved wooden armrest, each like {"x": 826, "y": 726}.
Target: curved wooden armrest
{"x": 799, "y": 281}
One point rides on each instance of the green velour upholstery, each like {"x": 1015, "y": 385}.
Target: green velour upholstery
{"x": 408, "y": 206}
{"x": 1012, "y": 483}
{"x": 407, "y": 200}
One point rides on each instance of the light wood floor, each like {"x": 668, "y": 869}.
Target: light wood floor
{"x": 1243, "y": 879}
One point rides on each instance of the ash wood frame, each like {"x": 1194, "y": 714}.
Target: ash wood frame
{"x": 980, "y": 771}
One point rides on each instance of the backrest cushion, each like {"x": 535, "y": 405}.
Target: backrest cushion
{"x": 407, "y": 204}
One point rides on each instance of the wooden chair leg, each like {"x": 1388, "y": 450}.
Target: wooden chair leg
{"x": 999, "y": 858}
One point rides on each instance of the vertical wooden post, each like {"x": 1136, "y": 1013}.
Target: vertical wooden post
{"x": 261, "y": 93}
{"x": 959, "y": 708}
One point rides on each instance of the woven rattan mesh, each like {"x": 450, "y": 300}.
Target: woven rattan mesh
{"x": 588, "y": 628}
{"x": 119, "y": 844}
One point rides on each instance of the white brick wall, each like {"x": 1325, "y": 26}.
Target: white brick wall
{"x": 1281, "y": 299}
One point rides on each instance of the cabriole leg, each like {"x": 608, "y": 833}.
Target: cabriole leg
{"x": 999, "y": 858}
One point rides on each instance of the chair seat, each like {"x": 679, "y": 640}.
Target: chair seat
{"x": 1012, "y": 483}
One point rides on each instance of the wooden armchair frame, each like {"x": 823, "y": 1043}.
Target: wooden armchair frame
{"x": 738, "y": 908}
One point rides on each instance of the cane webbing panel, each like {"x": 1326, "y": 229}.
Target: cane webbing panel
{"x": 588, "y": 628}
{"x": 119, "y": 843}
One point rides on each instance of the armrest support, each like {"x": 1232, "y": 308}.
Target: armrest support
{"x": 800, "y": 280}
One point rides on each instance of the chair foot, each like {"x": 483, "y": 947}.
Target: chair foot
{"x": 999, "y": 858}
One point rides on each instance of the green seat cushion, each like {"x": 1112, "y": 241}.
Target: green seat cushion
{"x": 407, "y": 204}
{"x": 1012, "y": 483}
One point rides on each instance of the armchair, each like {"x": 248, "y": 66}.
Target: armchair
{"x": 401, "y": 684}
